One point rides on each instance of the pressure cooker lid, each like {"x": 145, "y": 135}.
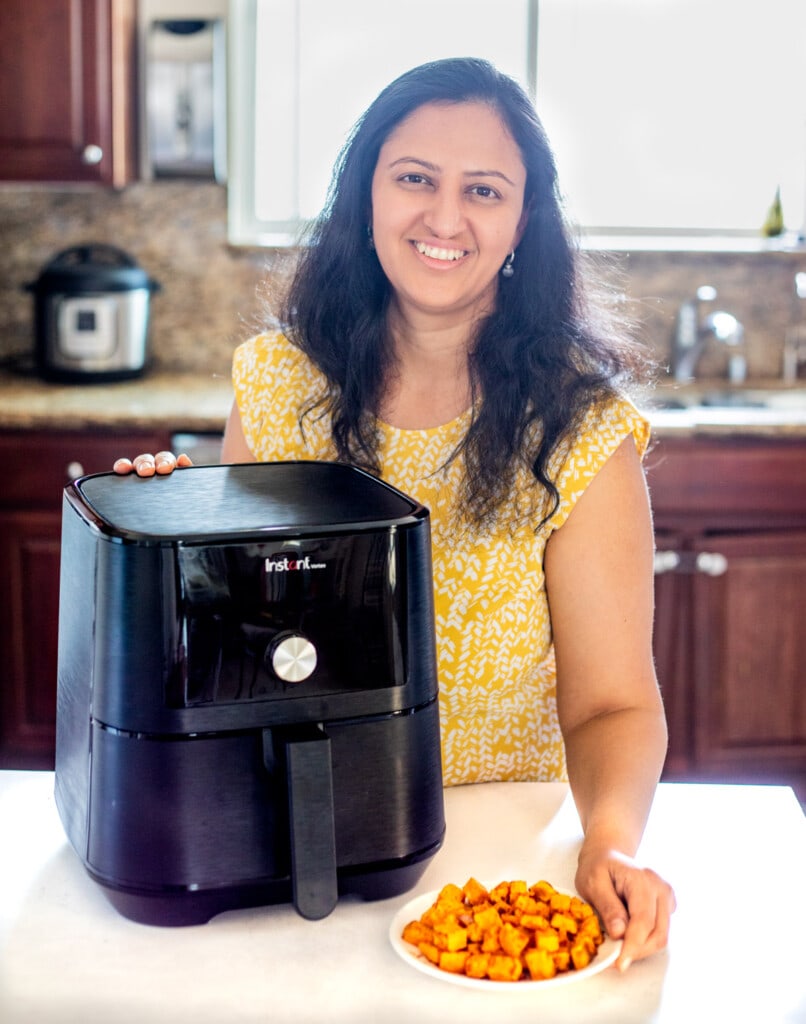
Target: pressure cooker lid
{"x": 207, "y": 503}
{"x": 94, "y": 267}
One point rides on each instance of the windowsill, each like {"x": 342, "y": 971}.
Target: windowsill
{"x": 616, "y": 241}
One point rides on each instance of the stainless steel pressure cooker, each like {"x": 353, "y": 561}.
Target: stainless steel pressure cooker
{"x": 91, "y": 312}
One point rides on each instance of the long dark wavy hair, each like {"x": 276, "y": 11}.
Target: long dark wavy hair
{"x": 537, "y": 361}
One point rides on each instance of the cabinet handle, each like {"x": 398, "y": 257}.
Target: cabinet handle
{"x": 712, "y": 563}
{"x": 666, "y": 561}
{"x": 74, "y": 470}
{"x": 92, "y": 154}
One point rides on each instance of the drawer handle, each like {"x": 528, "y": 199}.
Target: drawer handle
{"x": 74, "y": 470}
{"x": 666, "y": 561}
{"x": 712, "y": 563}
{"x": 92, "y": 155}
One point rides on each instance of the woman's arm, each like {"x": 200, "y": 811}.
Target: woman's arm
{"x": 234, "y": 448}
{"x": 599, "y": 577}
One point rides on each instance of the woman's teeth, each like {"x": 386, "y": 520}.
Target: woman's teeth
{"x": 439, "y": 254}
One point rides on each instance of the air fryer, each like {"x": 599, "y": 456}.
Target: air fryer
{"x": 247, "y": 692}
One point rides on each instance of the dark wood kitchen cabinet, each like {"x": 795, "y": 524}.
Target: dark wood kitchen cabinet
{"x": 730, "y": 635}
{"x": 36, "y": 468}
{"x": 68, "y": 91}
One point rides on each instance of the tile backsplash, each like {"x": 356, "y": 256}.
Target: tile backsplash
{"x": 213, "y": 295}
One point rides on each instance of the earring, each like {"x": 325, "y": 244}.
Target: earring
{"x": 370, "y": 239}
{"x": 508, "y": 270}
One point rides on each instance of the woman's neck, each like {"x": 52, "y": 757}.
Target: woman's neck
{"x": 430, "y": 381}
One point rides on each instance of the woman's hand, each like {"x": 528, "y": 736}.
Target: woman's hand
{"x": 634, "y": 903}
{"x": 147, "y": 465}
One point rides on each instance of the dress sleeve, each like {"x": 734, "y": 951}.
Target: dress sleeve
{"x": 602, "y": 432}
{"x": 273, "y": 382}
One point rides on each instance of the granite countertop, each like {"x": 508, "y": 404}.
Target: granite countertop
{"x": 170, "y": 401}
{"x": 194, "y": 402}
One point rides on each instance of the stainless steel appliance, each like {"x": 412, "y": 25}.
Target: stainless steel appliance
{"x": 247, "y": 692}
{"x": 91, "y": 315}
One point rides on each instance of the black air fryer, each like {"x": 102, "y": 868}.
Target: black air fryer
{"x": 247, "y": 692}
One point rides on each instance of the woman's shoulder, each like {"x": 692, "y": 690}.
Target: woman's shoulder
{"x": 616, "y": 417}
{"x": 267, "y": 350}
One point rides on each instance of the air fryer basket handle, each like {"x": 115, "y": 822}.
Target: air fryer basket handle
{"x": 311, "y": 822}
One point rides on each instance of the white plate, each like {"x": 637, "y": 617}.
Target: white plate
{"x": 606, "y": 954}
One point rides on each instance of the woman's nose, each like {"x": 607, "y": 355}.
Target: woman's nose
{"x": 444, "y": 216}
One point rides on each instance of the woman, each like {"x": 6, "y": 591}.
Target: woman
{"x": 435, "y": 333}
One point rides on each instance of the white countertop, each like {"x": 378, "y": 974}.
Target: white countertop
{"x": 736, "y": 856}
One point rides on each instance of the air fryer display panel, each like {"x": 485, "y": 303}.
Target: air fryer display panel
{"x": 267, "y": 621}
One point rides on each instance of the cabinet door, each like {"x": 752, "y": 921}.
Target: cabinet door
{"x": 29, "y": 554}
{"x": 670, "y": 647}
{"x": 37, "y": 466}
{"x": 749, "y": 658}
{"x": 67, "y": 90}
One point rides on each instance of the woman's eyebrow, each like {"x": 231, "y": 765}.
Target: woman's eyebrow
{"x": 435, "y": 168}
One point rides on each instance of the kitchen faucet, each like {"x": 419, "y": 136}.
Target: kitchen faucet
{"x": 693, "y": 333}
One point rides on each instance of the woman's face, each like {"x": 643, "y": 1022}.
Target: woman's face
{"x": 447, "y": 208}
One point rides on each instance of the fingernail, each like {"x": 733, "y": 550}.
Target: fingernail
{"x": 624, "y": 964}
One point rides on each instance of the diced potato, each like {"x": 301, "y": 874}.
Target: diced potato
{"x": 450, "y": 936}
{"x": 474, "y": 892}
{"x": 539, "y": 964}
{"x": 476, "y": 965}
{"x": 504, "y": 968}
{"x": 453, "y": 962}
{"x": 416, "y": 932}
{"x": 513, "y": 940}
{"x": 429, "y": 951}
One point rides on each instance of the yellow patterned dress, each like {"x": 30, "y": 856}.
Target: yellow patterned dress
{"x": 494, "y": 649}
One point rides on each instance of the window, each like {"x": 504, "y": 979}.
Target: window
{"x": 676, "y": 116}
{"x": 668, "y": 117}
{"x": 303, "y": 71}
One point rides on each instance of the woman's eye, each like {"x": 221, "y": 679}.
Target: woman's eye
{"x": 414, "y": 179}
{"x": 485, "y": 192}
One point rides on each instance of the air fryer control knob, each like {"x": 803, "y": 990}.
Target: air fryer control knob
{"x": 292, "y": 657}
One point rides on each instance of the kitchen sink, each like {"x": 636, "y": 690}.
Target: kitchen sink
{"x": 691, "y": 399}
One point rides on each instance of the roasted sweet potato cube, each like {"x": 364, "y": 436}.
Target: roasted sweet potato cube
{"x": 450, "y": 893}
{"x": 539, "y": 964}
{"x": 504, "y": 968}
{"x": 543, "y": 891}
{"x": 416, "y": 932}
{"x": 580, "y": 956}
{"x": 476, "y": 965}
{"x": 562, "y": 959}
{"x": 475, "y": 933}
{"x": 560, "y": 901}
{"x": 517, "y": 888}
{"x": 487, "y": 918}
{"x": 453, "y": 962}
{"x": 564, "y": 923}
{"x": 490, "y": 942}
{"x": 500, "y": 892}
{"x": 429, "y": 951}
{"x": 547, "y": 940}
{"x": 474, "y": 892}
{"x": 525, "y": 903}
{"x": 513, "y": 939}
{"x": 450, "y": 936}
{"x": 535, "y": 922}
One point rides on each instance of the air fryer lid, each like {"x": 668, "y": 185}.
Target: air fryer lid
{"x": 203, "y": 503}
{"x": 91, "y": 268}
